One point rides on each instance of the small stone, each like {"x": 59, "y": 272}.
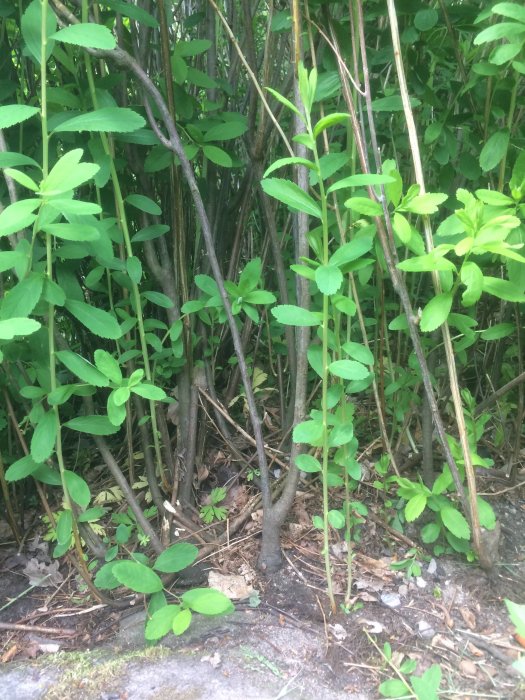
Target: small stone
{"x": 391, "y": 600}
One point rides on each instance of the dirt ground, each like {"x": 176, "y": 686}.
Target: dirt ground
{"x": 282, "y": 641}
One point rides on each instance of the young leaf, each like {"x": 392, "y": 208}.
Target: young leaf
{"x": 44, "y": 437}
{"x": 18, "y": 326}
{"x": 160, "y": 622}
{"x": 93, "y": 425}
{"x": 21, "y": 468}
{"x": 292, "y": 195}
{"x": 32, "y": 29}
{"x": 137, "y": 577}
{"x": 176, "y": 558}
{"x": 365, "y": 206}
{"x": 181, "y": 622}
{"x": 455, "y": 521}
{"x": 436, "y": 312}
{"x": 283, "y": 162}
{"x": 503, "y": 289}
{"x": 415, "y": 506}
{"x": 96, "y": 320}
{"x": 329, "y": 279}
{"x": 493, "y": 151}
{"x": 330, "y": 120}
{"x": 360, "y": 180}
{"x": 285, "y": 102}
{"x": 64, "y": 527}
{"x": 18, "y": 216}
{"x": 472, "y": 278}
{"x": 207, "y": 601}
{"x": 336, "y": 519}
{"x": 218, "y": 156}
{"x": 149, "y": 391}
{"x": 68, "y": 173}
{"x": 143, "y": 203}
{"x": 295, "y": 315}
{"x": 425, "y": 203}
{"x": 88, "y": 35}
{"x": 309, "y": 432}
{"x": 348, "y": 369}
{"x": 78, "y": 488}
{"x": 307, "y": 463}
{"x": 116, "y": 119}
{"x": 83, "y": 369}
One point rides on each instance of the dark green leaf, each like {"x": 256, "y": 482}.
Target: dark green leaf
{"x": 137, "y": 577}
{"x": 97, "y": 320}
{"x": 94, "y": 425}
{"x": 176, "y": 558}
{"x": 115, "y": 119}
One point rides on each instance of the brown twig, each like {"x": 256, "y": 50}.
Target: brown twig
{"x": 35, "y": 628}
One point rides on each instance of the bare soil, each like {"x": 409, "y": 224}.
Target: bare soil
{"x": 290, "y": 645}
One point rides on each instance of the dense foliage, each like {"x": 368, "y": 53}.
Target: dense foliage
{"x": 305, "y": 222}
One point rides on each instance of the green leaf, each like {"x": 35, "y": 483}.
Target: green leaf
{"x": 159, "y": 299}
{"x": 150, "y": 233}
{"x": 329, "y": 279}
{"x": 72, "y": 232}
{"x": 143, "y": 203}
{"x": 129, "y": 9}
{"x": 47, "y": 475}
{"x": 426, "y": 686}
{"x": 44, "y": 437}
{"x": 498, "y": 331}
{"x": 78, "y": 488}
{"x": 292, "y": 195}
{"x": 134, "y": 269}
{"x": 64, "y": 528}
{"x": 68, "y": 173}
{"x": 426, "y": 19}
{"x": 425, "y": 203}
{"x": 74, "y": 207}
{"x": 108, "y": 366}
{"x": 430, "y": 533}
{"x": 402, "y": 228}
{"x": 149, "y": 391}
{"x": 360, "y": 180}
{"x": 455, "y": 522}
{"x": 105, "y": 579}
{"x": 88, "y": 35}
{"x": 341, "y": 434}
{"x": 330, "y": 120}
{"x": 32, "y": 29}
{"x": 21, "y": 468}
{"x": 176, "y": 558}
{"x": 160, "y": 622}
{"x": 359, "y": 352}
{"x": 348, "y": 369}
{"x": 116, "y": 119}
{"x": 137, "y": 577}
{"x": 472, "y": 278}
{"x": 308, "y": 463}
{"x": 503, "y": 30}
{"x": 503, "y": 289}
{"x": 392, "y": 103}
{"x": 415, "y": 506}
{"x": 430, "y": 262}
{"x": 285, "y": 102}
{"x": 487, "y": 516}
{"x": 22, "y": 179}
{"x": 394, "y": 688}
{"x": 292, "y": 315}
{"x": 517, "y": 615}
{"x": 217, "y": 156}
{"x": 336, "y": 519}
{"x": 10, "y": 159}
{"x": 83, "y": 369}
{"x": 98, "y": 321}
{"x": 365, "y": 206}
{"x": 283, "y": 162}
{"x": 309, "y": 432}
{"x": 181, "y": 622}
{"x": 207, "y": 601}
{"x": 192, "y": 48}
{"x": 513, "y": 10}
{"x": 18, "y": 216}
{"x": 94, "y": 425}
{"x": 18, "y": 326}
{"x": 226, "y": 131}
{"x": 494, "y": 150}
{"x": 352, "y": 250}
{"x": 436, "y": 312}
{"x": 23, "y": 297}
